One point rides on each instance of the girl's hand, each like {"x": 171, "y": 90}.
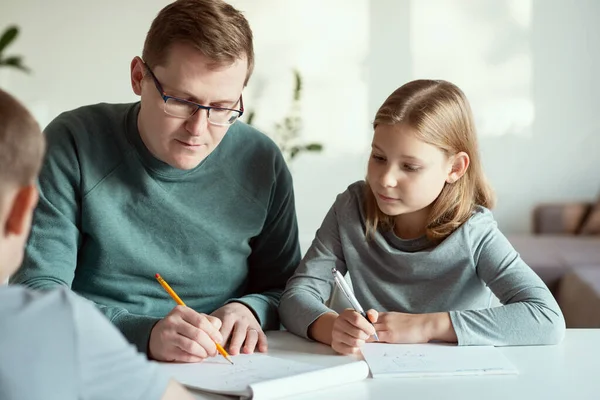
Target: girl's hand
{"x": 350, "y": 331}
{"x": 397, "y": 327}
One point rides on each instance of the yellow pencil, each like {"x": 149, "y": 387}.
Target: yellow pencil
{"x": 171, "y": 292}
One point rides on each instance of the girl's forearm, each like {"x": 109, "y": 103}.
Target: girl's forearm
{"x": 321, "y": 329}
{"x": 438, "y": 326}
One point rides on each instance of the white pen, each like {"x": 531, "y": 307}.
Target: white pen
{"x": 343, "y": 285}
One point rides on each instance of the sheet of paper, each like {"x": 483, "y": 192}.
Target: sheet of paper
{"x": 217, "y": 375}
{"x": 263, "y": 377}
{"x": 398, "y": 360}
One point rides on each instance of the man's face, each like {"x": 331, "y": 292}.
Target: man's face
{"x": 187, "y": 74}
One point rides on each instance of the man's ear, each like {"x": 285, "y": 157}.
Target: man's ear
{"x": 460, "y": 164}
{"x": 137, "y": 75}
{"x": 21, "y": 211}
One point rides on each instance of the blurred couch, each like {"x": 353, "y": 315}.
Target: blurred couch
{"x": 564, "y": 250}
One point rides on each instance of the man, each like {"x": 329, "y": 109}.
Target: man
{"x": 174, "y": 185}
{"x": 54, "y": 345}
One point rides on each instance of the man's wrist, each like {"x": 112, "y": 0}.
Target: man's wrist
{"x": 239, "y": 302}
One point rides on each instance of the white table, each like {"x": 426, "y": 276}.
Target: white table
{"x": 570, "y": 370}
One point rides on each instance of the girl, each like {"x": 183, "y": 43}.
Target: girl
{"x": 419, "y": 242}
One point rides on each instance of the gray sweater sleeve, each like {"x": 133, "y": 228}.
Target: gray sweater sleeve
{"x": 417, "y": 276}
{"x": 307, "y": 291}
{"x": 529, "y": 315}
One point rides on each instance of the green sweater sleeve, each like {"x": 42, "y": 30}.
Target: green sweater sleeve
{"x": 52, "y": 250}
{"x": 275, "y": 252}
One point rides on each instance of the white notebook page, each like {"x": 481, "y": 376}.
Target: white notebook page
{"x": 398, "y": 360}
{"x": 261, "y": 377}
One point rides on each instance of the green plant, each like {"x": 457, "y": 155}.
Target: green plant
{"x": 9, "y": 35}
{"x": 287, "y": 132}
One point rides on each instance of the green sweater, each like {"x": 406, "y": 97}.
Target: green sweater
{"x": 111, "y": 216}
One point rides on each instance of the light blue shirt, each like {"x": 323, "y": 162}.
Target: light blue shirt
{"x": 57, "y": 346}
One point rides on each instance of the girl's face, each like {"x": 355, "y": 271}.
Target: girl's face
{"x": 406, "y": 174}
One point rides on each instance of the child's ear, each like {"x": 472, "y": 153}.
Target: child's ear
{"x": 460, "y": 163}
{"x": 19, "y": 215}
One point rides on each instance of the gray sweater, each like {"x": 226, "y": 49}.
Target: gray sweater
{"x": 458, "y": 275}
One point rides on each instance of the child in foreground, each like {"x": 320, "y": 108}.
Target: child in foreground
{"x": 55, "y": 345}
{"x": 419, "y": 242}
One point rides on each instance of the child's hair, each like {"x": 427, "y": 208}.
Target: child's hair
{"x": 22, "y": 144}
{"x": 440, "y": 114}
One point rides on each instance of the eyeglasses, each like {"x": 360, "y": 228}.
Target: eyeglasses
{"x": 182, "y": 108}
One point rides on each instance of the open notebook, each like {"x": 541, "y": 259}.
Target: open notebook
{"x": 260, "y": 377}
{"x": 416, "y": 360}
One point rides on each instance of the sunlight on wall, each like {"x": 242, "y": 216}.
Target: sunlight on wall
{"x": 484, "y": 48}
{"x": 327, "y": 41}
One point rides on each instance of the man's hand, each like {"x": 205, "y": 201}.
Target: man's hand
{"x": 184, "y": 336}
{"x": 241, "y": 329}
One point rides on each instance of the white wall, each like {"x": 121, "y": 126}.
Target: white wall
{"x": 328, "y": 42}
{"x": 554, "y": 157}
{"x": 352, "y": 55}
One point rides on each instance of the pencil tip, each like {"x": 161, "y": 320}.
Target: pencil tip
{"x": 229, "y": 359}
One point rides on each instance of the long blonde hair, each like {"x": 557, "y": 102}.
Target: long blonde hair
{"x": 440, "y": 114}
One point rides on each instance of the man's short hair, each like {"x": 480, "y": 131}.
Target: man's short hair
{"x": 213, "y": 27}
{"x": 22, "y": 144}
